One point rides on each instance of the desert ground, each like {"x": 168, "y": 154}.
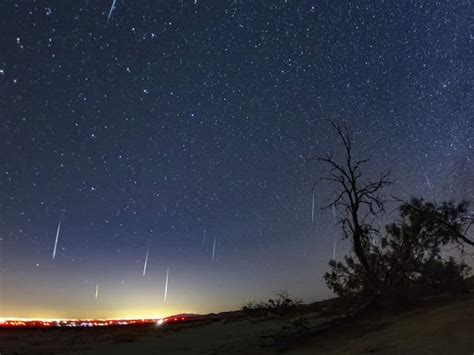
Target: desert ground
{"x": 442, "y": 325}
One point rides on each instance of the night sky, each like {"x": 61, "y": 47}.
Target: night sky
{"x": 173, "y": 117}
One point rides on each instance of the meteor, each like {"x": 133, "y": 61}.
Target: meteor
{"x": 204, "y": 236}
{"x": 146, "y": 261}
{"x": 166, "y": 284}
{"x": 214, "y": 249}
{"x": 111, "y": 10}
{"x": 334, "y": 249}
{"x": 427, "y": 180}
{"x": 57, "y": 237}
{"x": 96, "y": 291}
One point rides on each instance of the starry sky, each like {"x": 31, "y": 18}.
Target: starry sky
{"x": 169, "y": 126}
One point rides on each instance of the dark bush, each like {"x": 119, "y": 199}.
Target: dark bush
{"x": 409, "y": 261}
{"x": 281, "y": 304}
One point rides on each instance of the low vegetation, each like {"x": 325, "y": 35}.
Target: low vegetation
{"x": 282, "y": 303}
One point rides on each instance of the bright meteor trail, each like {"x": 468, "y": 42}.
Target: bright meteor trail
{"x": 111, "y": 10}
{"x": 146, "y": 261}
{"x": 214, "y": 249}
{"x": 166, "y": 284}
{"x": 57, "y": 237}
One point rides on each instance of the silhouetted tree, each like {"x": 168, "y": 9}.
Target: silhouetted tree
{"x": 408, "y": 260}
{"x": 449, "y": 222}
{"x": 358, "y": 201}
{"x": 413, "y": 246}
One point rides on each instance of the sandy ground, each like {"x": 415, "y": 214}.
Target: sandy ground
{"x": 442, "y": 326}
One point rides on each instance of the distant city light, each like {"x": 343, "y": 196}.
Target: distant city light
{"x": 38, "y": 323}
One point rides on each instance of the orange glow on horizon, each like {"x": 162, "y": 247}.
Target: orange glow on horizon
{"x": 89, "y": 323}
{"x": 49, "y": 315}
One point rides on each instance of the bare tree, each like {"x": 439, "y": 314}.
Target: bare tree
{"x": 357, "y": 199}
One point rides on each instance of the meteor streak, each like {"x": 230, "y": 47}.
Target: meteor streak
{"x": 214, "y": 249}
{"x": 146, "y": 261}
{"x": 427, "y": 180}
{"x": 166, "y": 283}
{"x": 57, "y": 237}
{"x": 111, "y": 10}
{"x": 96, "y": 291}
{"x": 204, "y": 236}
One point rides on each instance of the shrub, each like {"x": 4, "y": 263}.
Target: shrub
{"x": 280, "y": 304}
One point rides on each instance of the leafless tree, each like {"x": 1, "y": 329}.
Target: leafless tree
{"x": 357, "y": 199}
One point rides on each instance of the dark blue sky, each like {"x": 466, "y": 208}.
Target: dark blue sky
{"x": 173, "y": 117}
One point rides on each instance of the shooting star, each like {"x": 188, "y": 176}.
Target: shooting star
{"x": 312, "y": 209}
{"x": 214, "y": 249}
{"x": 111, "y": 10}
{"x": 96, "y": 291}
{"x": 334, "y": 250}
{"x": 204, "y": 236}
{"x": 427, "y": 180}
{"x": 146, "y": 261}
{"x": 166, "y": 283}
{"x": 57, "y": 237}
